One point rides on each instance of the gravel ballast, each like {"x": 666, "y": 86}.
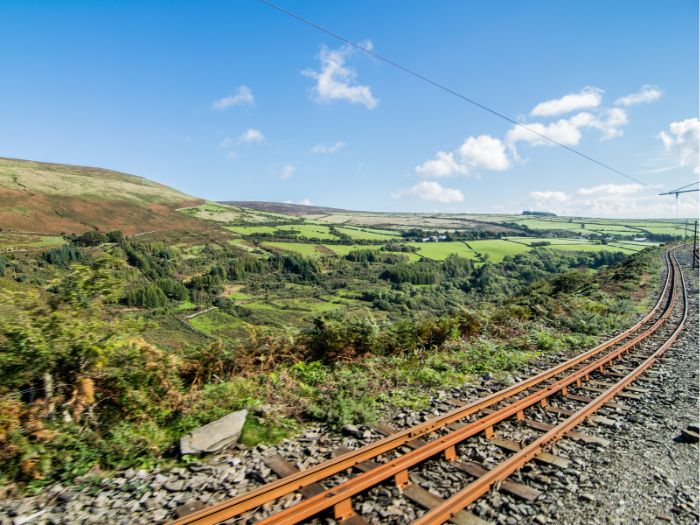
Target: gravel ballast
{"x": 648, "y": 473}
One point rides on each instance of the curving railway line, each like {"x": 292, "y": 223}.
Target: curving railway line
{"x": 585, "y": 384}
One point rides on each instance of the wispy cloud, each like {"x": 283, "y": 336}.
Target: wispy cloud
{"x": 443, "y": 165}
{"x": 611, "y": 189}
{"x": 250, "y": 136}
{"x": 612, "y": 200}
{"x": 431, "y": 191}
{"x": 325, "y": 149}
{"x": 338, "y": 81}
{"x": 242, "y": 96}
{"x": 549, "y": 196}
{"x": 304, "y": 202}
{"x": 644, "y": 96}
{"x": 568, "y": 131}
{"x": 587, "y": 98}
{"x": 682, "y": 139}
{"x": 287, "y": 171}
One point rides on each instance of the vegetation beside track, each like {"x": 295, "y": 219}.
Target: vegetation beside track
{"x": 98, "y": 369}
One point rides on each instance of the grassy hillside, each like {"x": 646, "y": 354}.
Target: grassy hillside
{"x": 55, "y": 198}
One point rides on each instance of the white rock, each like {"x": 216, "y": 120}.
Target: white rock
{"x": 215, "y": 435}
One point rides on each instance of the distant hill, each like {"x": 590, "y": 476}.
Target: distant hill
{"x": 283, "y": 207}
{"x": 55, "y": 198}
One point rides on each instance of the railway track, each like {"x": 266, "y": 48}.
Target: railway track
{"x": 545, "y": 407}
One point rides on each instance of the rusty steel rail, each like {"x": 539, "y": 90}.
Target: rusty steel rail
{"x": 480, "y": 486}
{"x": 338, "y": 497}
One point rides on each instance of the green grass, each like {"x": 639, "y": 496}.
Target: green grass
{"x": 343, "y": 249}
{"x": 308, "y": 231}
{"x": 367, "y": 234}
{"x": 215, "y": 321}
{"x": 185, "y": 305}
{"x": 592, "y": 248}
{"x": 441, "y": 250}
{"x": 546, "y": 224}
{"x": 258, "y": 430}
{"x": 552, "y": 240}
{"x": 241, "y": 243}
{"x": 251, "y": 230}
{"x": 497, "y": 249}
{"x": 15, "y": 241}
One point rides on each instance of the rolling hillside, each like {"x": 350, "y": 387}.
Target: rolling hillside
{"x": 56, "y": 198}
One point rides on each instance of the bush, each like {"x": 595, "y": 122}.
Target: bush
{"x": 91, "y": 238}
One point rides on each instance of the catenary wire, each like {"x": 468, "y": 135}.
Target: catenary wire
{"x": 452, "y": 92}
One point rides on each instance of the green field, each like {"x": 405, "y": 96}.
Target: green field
{"x": 594, "y": 248}
{"x": 308, "y": 231}
{"x": 343, "y": 249}
{"x": 552, "y": 240}
{"x": 367, "y": 234}
{"x": 584, "y": 226}
{"x": 215, "y": 321}
{"x": 494, "y": 249}
{"x": 497, "y": 249}
{"x": 25, "y": 241}
{"x": 441, "y": 250}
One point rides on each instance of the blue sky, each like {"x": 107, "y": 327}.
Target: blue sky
{"x": 232, "y": 100}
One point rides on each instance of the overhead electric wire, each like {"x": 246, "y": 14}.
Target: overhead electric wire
{"x": 687, "y": 186}
{"x": 452, "y": 92}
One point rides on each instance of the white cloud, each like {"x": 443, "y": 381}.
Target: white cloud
{"x": 485, "y": 151}
{"x": 443, "y": 165}
{"x": 611, "y": 189}
{"x": 242, "y": 96}
{"x": 568, "y": 131}
{"x": 564, "y": 131}
{"x": 227, "y": 144}
{"x": 610, "y": 121}
{"x": 644, "y": 96}
{"x": 431, "y": 191}
{"x": 614, "y": 200}
{"x": 337, "y": 81}
{"x": 251, "y": 135}
{"x": 304, "y": 202}
{"x": 323, "y": 149}
{"x": 287, "y": 171}
{"x": 587, "y": 98}
{"x": 682, "y": 139}
{"x": 549, "y": 196}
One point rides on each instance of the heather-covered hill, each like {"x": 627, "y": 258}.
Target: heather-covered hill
{"x": 55, "y": 198}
